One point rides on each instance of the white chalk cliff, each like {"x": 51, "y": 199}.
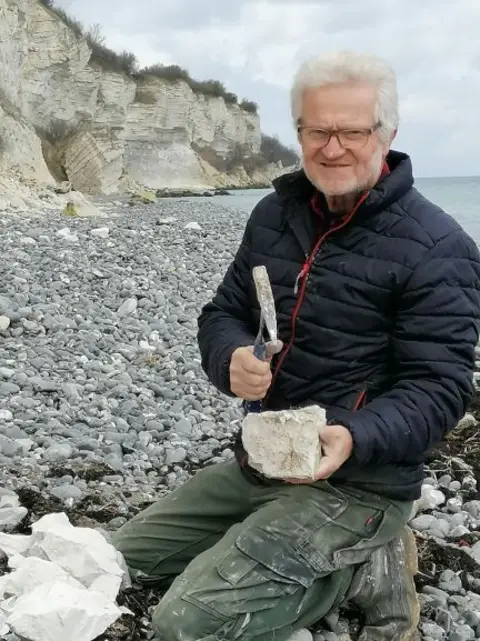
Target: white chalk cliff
{"x": 63, "y": 116}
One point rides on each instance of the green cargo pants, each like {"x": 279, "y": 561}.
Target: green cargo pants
{"x": 253, "y": 560}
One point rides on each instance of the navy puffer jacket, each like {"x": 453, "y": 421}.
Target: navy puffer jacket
{"x": 379, "y": 319}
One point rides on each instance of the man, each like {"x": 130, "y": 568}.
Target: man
{"x": 378, "y": 304}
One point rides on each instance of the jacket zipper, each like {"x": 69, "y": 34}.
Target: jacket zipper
{"x": 360, "y": 400}
{"x": 300, "y": 289}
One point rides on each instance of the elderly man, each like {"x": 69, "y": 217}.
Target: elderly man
{"x": 377, "y": 296}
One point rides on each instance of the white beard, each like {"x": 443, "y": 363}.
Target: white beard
{"x": 345, "y": 187}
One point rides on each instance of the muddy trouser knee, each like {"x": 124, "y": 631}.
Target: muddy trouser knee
{"x": 282, "y": 567}
{"x": 159, "y": 542}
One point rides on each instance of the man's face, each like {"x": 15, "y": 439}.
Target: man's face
{"x": 353, "y": 163}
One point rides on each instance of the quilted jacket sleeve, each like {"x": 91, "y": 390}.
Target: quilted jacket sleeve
{"x": 433, "y": 354}
{"x": 225, "y": 322}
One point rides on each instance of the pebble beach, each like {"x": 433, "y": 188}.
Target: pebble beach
{"x": 104, "y": 406}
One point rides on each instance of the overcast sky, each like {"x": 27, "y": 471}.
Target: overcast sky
{"x": 255, "y": 46}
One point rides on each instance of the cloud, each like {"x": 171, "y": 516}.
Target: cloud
{"x": 254, "y": 47}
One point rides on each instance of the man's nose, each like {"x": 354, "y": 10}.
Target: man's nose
{"x": 333, "y": 149}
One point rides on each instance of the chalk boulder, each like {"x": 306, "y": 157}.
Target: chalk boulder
{"x": 284, "y": 444}
{"x": 63, "y": 583}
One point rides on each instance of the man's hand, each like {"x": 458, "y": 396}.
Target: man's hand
{"x": 337, "y": 446}
{"x": 250, "y": 377}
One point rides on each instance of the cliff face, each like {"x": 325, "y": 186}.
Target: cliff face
{"x": 61, "y": 115}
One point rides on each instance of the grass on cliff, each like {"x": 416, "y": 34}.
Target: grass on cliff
{"x": 271, "y": 151}
{"x": 213, "y": 88}
{"x": 126, "y": 62}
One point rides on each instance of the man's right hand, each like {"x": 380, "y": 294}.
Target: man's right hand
{"x": 250, "y": 377}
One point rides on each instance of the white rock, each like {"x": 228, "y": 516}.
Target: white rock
{"x": 26, "y": 444}
{"x": 8, "y": 498}
{"x": 82, "y": 552}
{"x": 128, "y": 307}
{"x": 284, "y": 444}
{"x": 66, "y": 234}
{"x": 468, "y": 421}
{"x": 64, "y": 582}
{"x": 4, "y": 629}
{"x": 475, "y": 551}
{"x": 193, "y": 226}
{"x": 11, "y": 516}
{"x": 145, "y": 346}
{"x": 27, "y": 240}
{"x": 13, "y": 544}
{"x": 28, "y": 573}
{"x": 4, "y": 323}
{"x": 429, "y": 500}
{"x": 100, "y": 232}
{"x": 57, "y": 611}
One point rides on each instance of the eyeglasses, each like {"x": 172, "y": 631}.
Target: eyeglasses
{"x": 347, "y": 138}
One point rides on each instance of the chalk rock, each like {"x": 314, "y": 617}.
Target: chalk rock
{"x": 63, "y": 584}
{"x": 28, "y": 573}
{"x": 284, "y": 444}
{"x": 58, "y": 610}
{"x": 67, "y": 235}
{"x": 430, "y": 499}
{"x": 82, "y": 552}
{"x": 194, "y": 226}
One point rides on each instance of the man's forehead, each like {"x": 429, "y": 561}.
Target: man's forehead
{"x": 348, "y": 99}
{"x": 360, "y": 93}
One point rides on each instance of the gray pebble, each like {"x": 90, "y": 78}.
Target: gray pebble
{"x": 459, "y": 531}
{"x": 440, "y": 596}
{"x": 461, "y": 633}
{"x": 175, "y": 456}
{"x": 65, "y": 492}
{"x": 433, "y": 631}
{"x": 117, "y": 522}
{"x": 423, "y": 522}
{"x": 58, "y": 452}
{"x": 472, "y": 618}
{"x": 454, "y": 505}
{"x": 10, "y": 517}
{"x": 444, "y": 619}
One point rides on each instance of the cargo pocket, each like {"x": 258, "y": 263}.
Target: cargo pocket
{"x": 313, "y": 538}
{"x": 236, "y": 585}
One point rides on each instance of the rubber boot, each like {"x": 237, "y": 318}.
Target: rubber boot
{"x": 384, "y": 590}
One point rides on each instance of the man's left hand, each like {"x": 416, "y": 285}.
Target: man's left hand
{"x": 337, "y": 446}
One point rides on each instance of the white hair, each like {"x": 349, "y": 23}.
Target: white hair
{"x": 349, "y": 66}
